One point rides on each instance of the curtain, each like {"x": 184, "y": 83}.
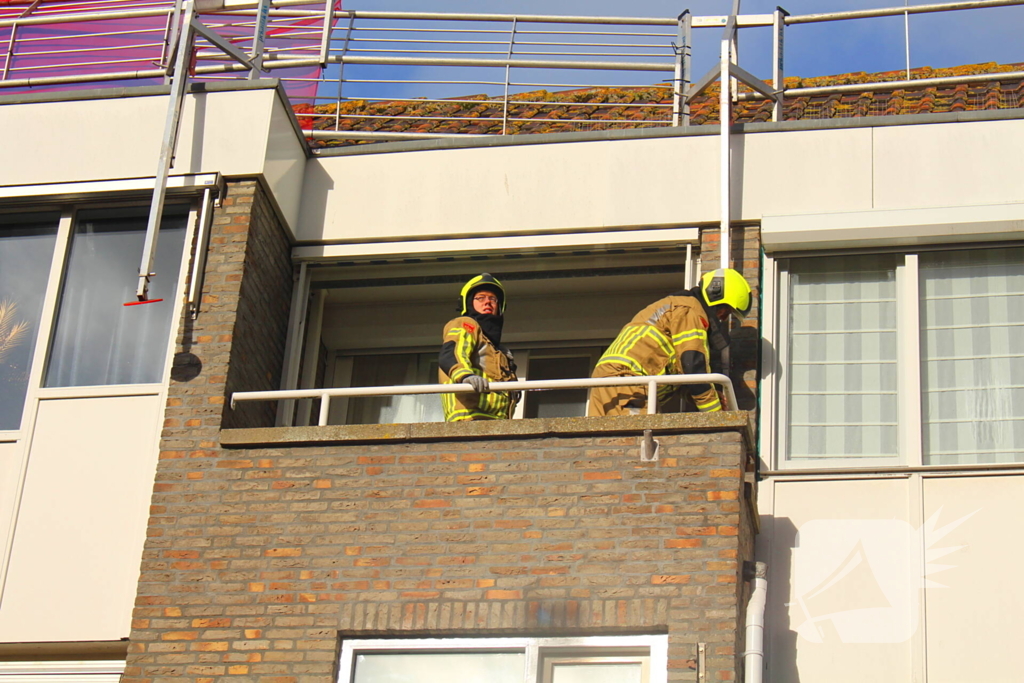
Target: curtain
{"x": 972, "y": 347}
{"x": 842, "y": 357}
{"x": 98, "y": 340}
{"x": 395, "y": 370}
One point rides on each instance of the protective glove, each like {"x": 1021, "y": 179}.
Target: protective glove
{"x": 478, "y": 383}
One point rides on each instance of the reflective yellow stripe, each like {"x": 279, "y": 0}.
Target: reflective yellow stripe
{"x": 627, "y": 340}
{"x": 709, "y": 407}
{"x": 689, "y": 334}
{"x": 624, "y": 341}
{"x": 662, "y": 341}
{"x": 623, "y": 360}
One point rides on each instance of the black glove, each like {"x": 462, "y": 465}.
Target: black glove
{"x": 478, "y": 383}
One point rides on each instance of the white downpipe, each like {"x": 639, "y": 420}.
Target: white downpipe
{"x": 753, "y": 656}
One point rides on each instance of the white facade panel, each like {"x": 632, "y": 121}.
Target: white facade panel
{"x": 82, "y": 520}
{"x": 285, "y": 163}
{"x": 975, "y": 597}
{"x": 948, "y": 164}
{"x": 838, "y": 606}
{"x": 57, "y": 142}
{"x": 245, "y": 132}
{"x": 584, "y": 185}
{"x": 801, "y": 172}
{"x": 222, "y": 131}
{"x": 10, "y": 473}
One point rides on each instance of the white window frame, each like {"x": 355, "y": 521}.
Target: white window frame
{"x": 68, "y": 200}
{"x": 598, "y": 649}
{"x": 775, "y": 360}
{"x": 89, "y": 671}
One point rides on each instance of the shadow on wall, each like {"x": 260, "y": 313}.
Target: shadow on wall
{"x": 780, "y": 635}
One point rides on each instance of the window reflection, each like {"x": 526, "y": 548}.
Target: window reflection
{"x": 26, "y": 250}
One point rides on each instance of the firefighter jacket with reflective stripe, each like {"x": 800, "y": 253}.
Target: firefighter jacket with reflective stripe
{"x": 466, "y": 350}
{"x": 668, "y": 337}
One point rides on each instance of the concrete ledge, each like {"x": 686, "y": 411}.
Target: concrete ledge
{"x": 496, "y": 429}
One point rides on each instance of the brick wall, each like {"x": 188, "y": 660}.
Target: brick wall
{"x": 243, "y": 317}
{"x": 259, "y": 558}
{"x": 745, "y": 248}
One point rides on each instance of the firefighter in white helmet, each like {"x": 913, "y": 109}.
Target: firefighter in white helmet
{"x": 674, "y": 335}
{"x": 472, "y": 353}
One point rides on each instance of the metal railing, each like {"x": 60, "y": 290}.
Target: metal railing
{"x": 356, "y": 69}
{"x": 652, "y": 382}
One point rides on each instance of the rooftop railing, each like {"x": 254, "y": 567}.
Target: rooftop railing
{"x": 341, "y": 63}
{"x": 652, "y": 382}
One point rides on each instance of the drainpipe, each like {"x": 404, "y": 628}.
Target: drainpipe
{"x": 753, "y": 656}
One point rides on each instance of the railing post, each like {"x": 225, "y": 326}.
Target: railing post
{"x": 341, "y": 70}
{"x": 325, "y": 409}
{"x": 508, "y": 74}
{"x": 778, "y": 57}
{"x": 652, "y": 397}
{"x": 680, "y": 105}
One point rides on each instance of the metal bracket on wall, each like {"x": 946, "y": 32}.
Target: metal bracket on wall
{"x": 212, "y": 197}
{"x": 701, "y": 664}
{"x": 648, "y": 447}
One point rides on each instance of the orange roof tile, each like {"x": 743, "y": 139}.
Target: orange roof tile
{"x": 643, "y": 107}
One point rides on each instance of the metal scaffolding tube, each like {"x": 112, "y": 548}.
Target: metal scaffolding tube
{"x": 520, "y": 63}
{"x": 725, "y": 151}
{"x": 522, "y": 18}
{"x": 96, "y": 16}
{"x": 371, "y": 135}
{"x": 82, "y": 78}
{"x": 894, "y": 85}
{"x": 900, "y": 11}
{"x": 179, "y": 83}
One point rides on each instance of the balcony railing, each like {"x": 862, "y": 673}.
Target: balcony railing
{"x": 652, "y": 382}
{"x": 342, "y": 63}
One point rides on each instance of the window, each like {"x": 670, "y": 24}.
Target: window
{"x": 27, "y": 242}
{"x": 597, "y": 659}
{"x": 394, "y": 369}
{"x": 910, "y": 358}
{"x": 98, "y": 340}
{"x": 566, "y": 363}
{"x": 65, "y": 274}
{"x": 972, "y": 347}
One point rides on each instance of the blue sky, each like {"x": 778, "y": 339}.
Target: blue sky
{"x": 937, "y": 40}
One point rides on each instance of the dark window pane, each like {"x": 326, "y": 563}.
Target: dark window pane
{"x": 99, "y": 340}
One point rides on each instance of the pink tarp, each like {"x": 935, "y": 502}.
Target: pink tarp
{"x": 134, "y": 44}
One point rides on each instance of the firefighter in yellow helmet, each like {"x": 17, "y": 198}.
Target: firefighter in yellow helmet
{"x": 472, "y": 353}
{"x": 674, "y": 335}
